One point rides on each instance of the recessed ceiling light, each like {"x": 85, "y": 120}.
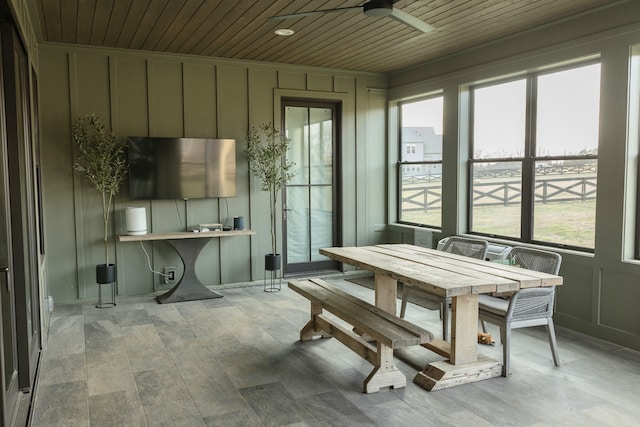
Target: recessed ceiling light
{"x": 284, "y": 32}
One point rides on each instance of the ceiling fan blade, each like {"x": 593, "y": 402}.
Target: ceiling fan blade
{"x": 411, "y": 21}
{"x": 313, "y": 12}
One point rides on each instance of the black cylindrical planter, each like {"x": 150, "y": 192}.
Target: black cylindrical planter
{"x": 272, "y": 262}
{"x": 105, "y": 273}
{"x": 272, "y": 283}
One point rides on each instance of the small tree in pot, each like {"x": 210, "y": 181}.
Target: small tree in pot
{"x": 266, "y": 153}
{"x": 100, "y": 158}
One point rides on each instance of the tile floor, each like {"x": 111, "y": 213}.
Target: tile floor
{"x": 237, "y": 361}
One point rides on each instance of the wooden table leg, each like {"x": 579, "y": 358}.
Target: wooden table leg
{"x": 386, "y": 293}
{"x": 464, "y": 329}
{"x": 386, "y": 290}
{"x": 464, "y": 365}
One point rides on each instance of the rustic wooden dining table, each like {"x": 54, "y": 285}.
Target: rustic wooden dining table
{"x": 447, "y": 275}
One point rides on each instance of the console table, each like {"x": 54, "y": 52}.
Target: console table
{"x": 188, "y": 245}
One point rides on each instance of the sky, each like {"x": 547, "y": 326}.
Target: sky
{"x": 567, "y": 114}
{"x": 427, "y": 113}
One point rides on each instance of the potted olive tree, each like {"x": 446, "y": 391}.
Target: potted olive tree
{"x": 266, "y": 153}
{"x": 100, "y": 158}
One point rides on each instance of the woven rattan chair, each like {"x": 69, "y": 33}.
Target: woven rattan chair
{"x": 527, "y": 307}
{"x": 474, "y": 248}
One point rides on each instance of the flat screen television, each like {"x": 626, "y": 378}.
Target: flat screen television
{"x": 181, "y": 168}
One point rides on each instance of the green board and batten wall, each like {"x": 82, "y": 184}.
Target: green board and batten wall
{"x": 140, "y": 94}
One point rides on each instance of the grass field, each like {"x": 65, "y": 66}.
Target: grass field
{"x": 569, "y": 223}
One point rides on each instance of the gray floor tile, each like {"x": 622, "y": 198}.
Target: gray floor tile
{"x": 246, "y": 418}
{"x": 114, "y": 375}
{"x": 63, "y": 404}
{"x": 238, "y": 361}
{"x": 66, "y": 335}
{"x": 117, "y": 409}
{"x": 177, "y": 413}
{"x": 160, "y": 386}
{"x": 273, "y": 405}
{"x": 63, "y": 369}
{"x": 213, "y": 392}
{"x": 332, "y": 408}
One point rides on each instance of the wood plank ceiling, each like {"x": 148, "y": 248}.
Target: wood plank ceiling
{"x": 239, "y": 29}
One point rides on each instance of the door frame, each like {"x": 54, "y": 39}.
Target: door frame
{"x": 347, "y": 109}
{"x": 336, "y": 185}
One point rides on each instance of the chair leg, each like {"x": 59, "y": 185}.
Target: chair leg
{"x": 505, "y": 335}
{"x": 446, "y": 315}
{"x": 403, "y": 306}
{"x": 551, "y": 332}
{"x": 484, "y": 326}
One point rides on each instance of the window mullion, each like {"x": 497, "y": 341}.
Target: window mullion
{"x": 528, "y": 165}
{"x": 420, "y": 162}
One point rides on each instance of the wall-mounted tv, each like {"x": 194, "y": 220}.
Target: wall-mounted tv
{"x": 181, "y": 168}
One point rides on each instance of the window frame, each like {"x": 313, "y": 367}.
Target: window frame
{"x": 400, "y": 163}
{"x": 529, "y": 158}
{"x": 636, "y": 246}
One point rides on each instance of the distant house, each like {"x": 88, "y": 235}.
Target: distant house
{"x": 421, "y": 144}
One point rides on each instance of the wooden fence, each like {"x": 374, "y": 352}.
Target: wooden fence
{"x": 505, "y": 193}
{"x": 565, "y": 168}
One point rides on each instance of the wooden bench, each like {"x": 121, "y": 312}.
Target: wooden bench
{"x": 387, "y": 330}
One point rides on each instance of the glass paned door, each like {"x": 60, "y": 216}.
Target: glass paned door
{"x": 21, "y": 175}
{"x": 8, "y": 355}
{"x": 310, "y": 202}
{"x": 8, "y": 339}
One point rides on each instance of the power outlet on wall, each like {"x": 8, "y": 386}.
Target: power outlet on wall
{"x": 169, "y": 274}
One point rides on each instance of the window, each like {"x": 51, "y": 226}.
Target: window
{"x": 533, "y": 167}
{"x": 420, "y": 166}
